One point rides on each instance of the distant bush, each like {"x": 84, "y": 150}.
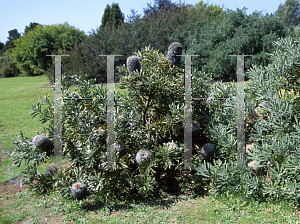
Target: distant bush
{"x": 8, "y": 67}
{"x": 127, "y": 38}
{"x": 31, "y": 50}
{"x": 232, "y": 33}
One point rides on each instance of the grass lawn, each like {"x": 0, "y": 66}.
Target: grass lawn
{"x": 18, "y": 205}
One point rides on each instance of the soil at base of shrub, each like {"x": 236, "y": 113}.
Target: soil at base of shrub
{"x": 10, "y": 189}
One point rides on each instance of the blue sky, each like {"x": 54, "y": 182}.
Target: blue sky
{"x": 86, "y": 15}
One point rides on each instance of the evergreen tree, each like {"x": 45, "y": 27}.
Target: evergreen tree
{"x": 210, "y": 11}
{"x": 12, "y": 36}
{"x": 106, "y": 16}
{"x": 133, "y": 17}
{"x": 159, "y": 5}
{"x": 116, "y": 15}
{"x": 1, "y": 47}
{"x": 289, "y": 12}
{"x": 30, "y": 27}
{"x": 112, "y": 16}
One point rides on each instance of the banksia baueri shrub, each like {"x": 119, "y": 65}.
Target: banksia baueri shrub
{"x": 133, "y": 64}
{"x": 52, "y": 170}
{"x": 143, "y": 155}
{"x": 43, "y": 143}
{"x": 174, "y": 49}
{"x": 206, "y": 151}
{"x": 78, "y": 190}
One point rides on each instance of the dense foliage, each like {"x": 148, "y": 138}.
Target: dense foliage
{"x": 143, "y": 115}
{"x": 203, "y": 29}
{"x": 128, "y": 38}
{"x": 236, "y": 33}
{"x": 8, "y": 67}
{"x": 274, "y": 134}
{"x": 289, "y": 12}
{"x": 31, "y": 49}
{"x": 112, "y": 16}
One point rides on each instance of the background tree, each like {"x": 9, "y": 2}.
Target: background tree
{"x": 31, "y": 49}
{"x": 8, "y": 67}
{"x": 159, "y": 5}
{"x": 127, "y": 39}
{"x": 117, "y": 17}
{"x": 289, "y": 12}
{"x": 133, "y": 17}
{"x": 1, "y": 47}
{"x": 234, "y": 33}
{"x": 12, "y": 36}
{"x": 230, "y": 32}
{"x": 112, "y": 16}
{"x": 211, "y": 11}
{"x": 106, "y": 16}
{"x": 31, "y": 26}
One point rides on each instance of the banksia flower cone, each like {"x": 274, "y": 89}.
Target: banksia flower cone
{"x": 254, "y": 166}
{"x": 43, "y": 143}
{"x": 209, "y": 99}
{"x": 207, "y": 151}
{"x": 120, "y": 147}
{"x": 51, "y": 171}
{"x": 133, "y": 64}
{"x": 249, "y": 148}
{"x": 174, "y": 49}
{"x": 173, "y": 145}
{"x": 99, "y": 131}
{"x": 143, "y": 155}
{"x": 195, "y": 129}
{"x": 78, "y": 190}
{"x": 73, "y": 95}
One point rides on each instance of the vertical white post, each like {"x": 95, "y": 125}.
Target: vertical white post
{"x": 188, "y": 114}
{"x": 240, "y": 111}
{"x": 57, "y": 112}
{"x": 110, "y": 111}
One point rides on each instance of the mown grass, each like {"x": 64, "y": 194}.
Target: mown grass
{"x": 183, "y": 209}
{"x": 18, "y": 94}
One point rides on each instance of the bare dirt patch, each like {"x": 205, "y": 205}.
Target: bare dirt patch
{"x": 47, "y": 85}
{"x": 10, "y": 189}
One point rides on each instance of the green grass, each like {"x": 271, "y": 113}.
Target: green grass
{"x": 182, "y": 209}
{"x": 18, "y": 94}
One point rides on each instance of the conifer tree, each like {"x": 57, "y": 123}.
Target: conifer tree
{"x": 289, "y": 12}
{"x": 106, "y": 16}
{"x": 112, "y": 16}
{"x": 116, "y": 15}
